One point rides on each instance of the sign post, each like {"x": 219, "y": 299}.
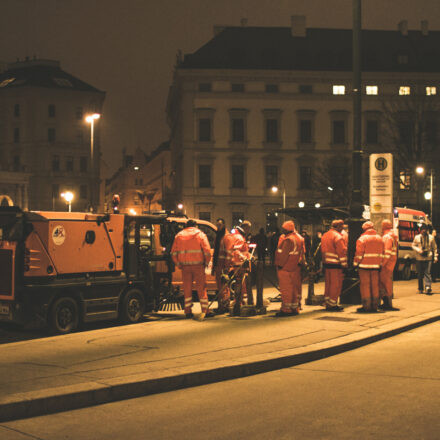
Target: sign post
{"x": 381, "y": 189}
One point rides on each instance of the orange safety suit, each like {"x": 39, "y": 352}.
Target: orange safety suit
{"x": 191, "y": 253}
{"x": 369, "y": 259}
{"x": 389, "y": 239}
{"x": 334, "y": 259}
{"x": 290, "y": 254}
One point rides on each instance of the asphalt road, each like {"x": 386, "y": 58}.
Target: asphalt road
{"x": 387, "y": 390}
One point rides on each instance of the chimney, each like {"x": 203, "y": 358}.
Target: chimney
{"x": 218, "y": 29}
{"x": 298, "y": 25}
{"x": 403, "y": 27}
{"x": 244, "y": 21}
{"x": 424, "y": 27}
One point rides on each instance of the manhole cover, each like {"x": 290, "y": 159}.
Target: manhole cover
{"x": 336, "y": 318}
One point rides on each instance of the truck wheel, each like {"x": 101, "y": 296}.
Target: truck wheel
{"x": 132, "y": 307}
{"x": 406, "y": 272}
{"x": 64, "y": 316}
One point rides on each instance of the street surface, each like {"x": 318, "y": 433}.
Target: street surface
{"x": 386, "y": 390}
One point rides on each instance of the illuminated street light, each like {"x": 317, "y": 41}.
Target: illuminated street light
{"x": 180, "y": 206}
{"x": 427, "y": 195}
{"x": 317, "y": 205}
{"x": 420, "y": 170}
{"x": 301, "y": 204}
{"x": 68, "y": 196}
{"x": 330, "y": 188}
{"x": 132, "y": 211}
{"x": 275, "y": 189}
{"x": 90, "y": 119}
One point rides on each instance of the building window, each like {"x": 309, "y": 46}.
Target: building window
{"x": 51, "y": 110}
{"x": 16, "y": 135}
{"x": 272, "y": 130}
{"x": 237, "y": 130}
{"x": 204, "y": 130}
{"x": 83, "y": 192}
{"x": 305, "y": 177}
{"x": 237, "y": 173}
{"x": 69, "y": 163}
{"x": 271, "y": 176}
{"x": 405, "y": 180}
{"x": 430, "y": 91}
{"x": 205, "y": 87}
{"x": 405, "y": 133}
{"x": 17, "y": 110}
{"x": 402, "y": 59}
{"x": 16, "y": 163}
{"x": 372, "y": 90}
{"x": 306, "y": 88}
{"x": 55, "y": 163}
{"x": 80, "y": 137}
{"x": 51, "y": 134}
{"x": 305, "y": 131}
{"x": 372, "y": 132}
{"x": 338, "y": 90}
{"x": 237, "y": 87}
{"x": 272, "y": 88}
{"x": 338, "y": 132}
{"x": 55, "y": 191}
{"x": 204, "y": 176}
{"x": 79, "y": 113}
{"x": 237, "y": 218}
{"x": 404, "y": 90}
{"x": 205, "y": 215}
{"x": 83, "y": 164}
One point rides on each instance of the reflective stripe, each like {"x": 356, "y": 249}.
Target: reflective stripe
{"x": 279, "y": 250}
{"x": 372, "y": 255}
{"x": 191, "y": 263}
{"x": 343, "y": 259}
{"x": 331, "y": 260}
{"x": 293, "y": 253}
{"x": 330, "y": 254}
{"x": 369, "y": 266}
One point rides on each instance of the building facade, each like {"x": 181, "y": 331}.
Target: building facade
{"x": 257, "y": 108}
{"x": 45, "y": 145}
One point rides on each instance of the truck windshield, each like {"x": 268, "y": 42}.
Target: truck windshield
{"x": 11, "y": 227}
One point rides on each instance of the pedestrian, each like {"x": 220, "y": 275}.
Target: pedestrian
{"x": 191, "y": 253}
{"x": 369, "y": 259}
{"x": 289, "y": 257}
{"x": 426, "y": 253}
{"x": 261, "y": 241}
{"x": 390, "y": 244}
{"x": 238, "y": 263}
{"x": 218, "y": 265}
{"x": 334, "y": 257}
{"x": 307, "y": 243}
{"x": 435, "y": 270}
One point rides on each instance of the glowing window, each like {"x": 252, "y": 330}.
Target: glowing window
{"x": 338, "y": 90}
{"x": 431, "y": 90}
{"x": 405, "y": 90}
{"x": 372, "y": 90}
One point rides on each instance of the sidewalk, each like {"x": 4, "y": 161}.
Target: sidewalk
{"x": 167, "y": 352}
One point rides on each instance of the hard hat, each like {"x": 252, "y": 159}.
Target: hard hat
{"x": 288, "y": 226}
{"x": 367, "y": 225}
{"x": 386, "y": 224}
{"x": 337, "y": 223}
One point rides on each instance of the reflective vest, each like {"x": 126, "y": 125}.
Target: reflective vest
{"x": 237, "y": 250}
{"x": 290, "y": 252}
{"x": 369, "y": 250}
{"x": 389, "y": 239}
{"x": 190, "y": 248}
{"x": 333, "y": 249}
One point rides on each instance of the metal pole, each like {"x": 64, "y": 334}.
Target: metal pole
{"x": 284, "y": 201}
{"x": 92, "y": 163}
{"x": 432, "y": 196}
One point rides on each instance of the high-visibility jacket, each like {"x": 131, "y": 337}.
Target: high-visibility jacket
{"x": 369, "y": 250}
{"x": 344, "y": 234}
{"x": 191, "y": 247}
{"x": 237, "y": 250}
{"x": 290, "y": 252}
{"x": 333, "y": 249}
{"x": 389, "y": 239}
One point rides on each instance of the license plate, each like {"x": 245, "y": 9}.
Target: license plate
{"x": 4, "y": 309}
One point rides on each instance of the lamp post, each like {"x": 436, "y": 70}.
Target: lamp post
{"x": 68, "y": 196}
{"x": 90, "y": 119}
{"x": 275, "y": 189}
{"x": 428, "y": 195}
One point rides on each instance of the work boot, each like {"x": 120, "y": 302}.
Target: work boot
{"x": 428, "y": 291}
{"x": 209, "y": 314}
{"x": 282, "y": 314}
{"x": 189, "y": 315}
{"x": 387, "y": 304}
{"x": 336, "y": 308}
{"x": 363, "y": 310}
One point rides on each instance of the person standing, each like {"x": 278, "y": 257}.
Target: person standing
{"x": 334, "y": 257}
{"x": 290, "y": 254}
{"x": 369, "y": 259}
{"x": 435, "y": 270}
{"x": 191, "y": 253}
{"x": 390, "y": 244}
{"x": 261, "y": 241}
{"x": 218, "y": 265}
{"x": 426, "y": 253}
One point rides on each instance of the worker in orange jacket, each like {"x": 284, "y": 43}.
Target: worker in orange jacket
{"x": 369, "y": 259}
{"x": 289, "y": 256}
{"x": 237, "y": 261}
{"x": 334, "y": 259}
{"x": 390, "y": 243}
{"x": 191, "y": 253}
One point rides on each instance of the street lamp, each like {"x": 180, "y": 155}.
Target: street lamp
{"x": 429, "y": 194}
{"x": 68, "y": 196}
{"x": 90, "y": 119}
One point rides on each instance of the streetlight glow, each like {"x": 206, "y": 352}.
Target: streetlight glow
{"x": 132, "y": 211}
{"x": 274, "y": 189}
{"x": 301, "y": 204}
{"x": 317, "y": 205}
{"x": 180, "y": 206}
{"x": 330, "y": 188}
{"x": 428, "y": 195}
{"x": 91, "y": 118}
{"x": 68, "y": 196}
{"x": 420, "y": 170}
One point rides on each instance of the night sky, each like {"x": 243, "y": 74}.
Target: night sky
{"x": 128, "y": 47}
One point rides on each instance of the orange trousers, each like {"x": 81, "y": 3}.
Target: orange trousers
{"x": 197, "y": 275}
{"x": 369, "y": 280}
{"x": 386, "y": 283}
{"x": 290, "y": 288}
{"x": 333, "y": 286}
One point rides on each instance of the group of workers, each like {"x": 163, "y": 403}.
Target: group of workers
{"x": 375, "y": 258}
